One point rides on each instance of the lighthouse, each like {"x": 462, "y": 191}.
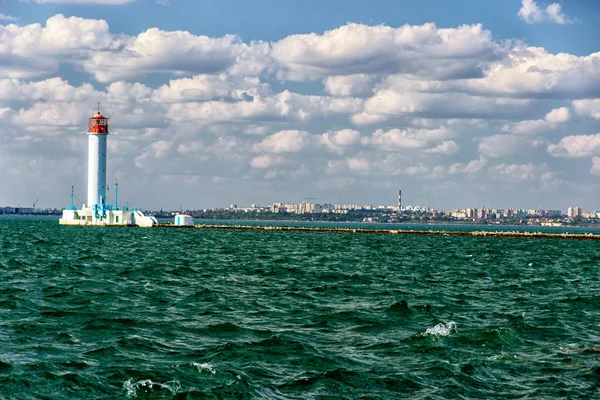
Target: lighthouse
{"x": 98, "y": 211}
{"x": 97, "y": 137}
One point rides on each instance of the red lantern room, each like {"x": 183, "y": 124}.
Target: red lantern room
{"x": 98, "y": 124}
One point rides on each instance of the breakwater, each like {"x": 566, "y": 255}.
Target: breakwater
{"x": 510, "y": 234}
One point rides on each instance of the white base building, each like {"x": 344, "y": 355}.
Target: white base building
{"x": 183, "y": 220}
{"x": 89, "y": 216}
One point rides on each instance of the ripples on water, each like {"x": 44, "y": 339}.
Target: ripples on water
{"x": 92, "y": 313}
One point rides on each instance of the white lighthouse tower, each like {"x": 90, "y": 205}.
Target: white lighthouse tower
{"x": 97, "y": 135}
{"x": 97, "y": 211}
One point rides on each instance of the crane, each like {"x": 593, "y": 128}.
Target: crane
{"x": 308, "y": 199}
{"x": 34, "y": 203}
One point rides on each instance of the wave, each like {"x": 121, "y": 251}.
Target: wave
{"x": 442, "y": 329}
{"x": 147, "y": 386}
{"x": 204, "y": 367}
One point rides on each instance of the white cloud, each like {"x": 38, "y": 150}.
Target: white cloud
{"x": 358, "y": 164}
{"x": 358, "y": 85}
{"x": 210, "y": 87}
{"x": 595, "y": 166}
{"x": 339, "y": 141}
{"x": 179, "y": 52}
{"x": 397, "y": 139}
{"x": 389, "y": 103}
{"x": 558, "y": 115}
{"x": 531, "y": 127}
{"x": 33, "y": 50}
{"x": 531, "y": 13}
{"x": 471, "y": 167}
{"x": 531, "y": 72}
{"x": 423, "y": 50}
{"x": 267, "y": 161}
{"x": 449, "y": 147}
{"x": 535, "y": 127}
{"x": 147, "y": 159}
{"x": 516, "y": 173}
{"x": 556, "y": 15}
{"x": 282, "y": 107}
{"x": 45, "y": 115}
{"x": 53, "y": 89}
{"x": 576, "y": 146}
{"x": 290, "y": 141}
{"x": 504, "y": 145}
{"x": 588, "y": 108}
{"x": 4, "y": 17}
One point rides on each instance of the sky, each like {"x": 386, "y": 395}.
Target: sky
{"x": 464, "y": 103}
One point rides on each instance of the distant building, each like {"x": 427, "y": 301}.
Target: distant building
{"x": 481, "y": 213}
{"x": 573, "y": 212}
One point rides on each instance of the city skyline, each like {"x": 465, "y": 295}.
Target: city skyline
{"x": 468, "y": 104}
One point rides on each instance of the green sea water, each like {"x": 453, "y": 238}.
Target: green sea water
{"x": 103, "y": 313}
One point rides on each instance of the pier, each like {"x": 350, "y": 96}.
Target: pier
{"x": 508, "y": 234}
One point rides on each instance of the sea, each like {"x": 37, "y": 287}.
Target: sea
{"x": 151, "y": 313}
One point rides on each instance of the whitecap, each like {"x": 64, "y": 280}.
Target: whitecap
{"x": 442, "y": 329}
{"x": 147, "y": 385}
{"x": 204, "y": 367}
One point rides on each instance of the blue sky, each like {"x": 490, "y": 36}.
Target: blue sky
{"x": 262, "y": 101}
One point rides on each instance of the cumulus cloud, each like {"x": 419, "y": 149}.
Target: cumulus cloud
{"x": 210, "y": 87}
{"x": 448, "y": 147}
{"x": 558, "y": 115}
{"x": 516, "y": 173}
{"x": 389, "y": 103}
{"x": 589, "y": 108}
{"x": 540, "y": 126}
{"x": 576, "y": 146}
{"x": 524, "y": 72}
{"x": 595, "y": 166}
{"x": 358, "y": 85}
{"x": 281, "y": 107}
{"x": 267, "y": 161}
{"x": 531, "y": 13}
{"x": 530, "y": 127}
{"x": 339, "y": 141}
{"x": 358, "y": 164}
{"x": 499, "y": 145}
{"x": 423, "y": 50}
{"x": 532, "y": 72}
{"x": 4, "y": 17}
{"x": 33, "y": 50}
{"x": 506, "y": 145}
{"x": 53, "y": 89}
{"x": 158, "y": 51}
{"x": 290, "y": 141}
{"x": 47, "y": 115}
{"x": 109, "y": 57}
{"x": 471, "y": 167}
{"x": 397, "y": 139}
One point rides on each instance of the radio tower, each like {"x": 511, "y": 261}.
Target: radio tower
{"x": 399, "y": 200}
